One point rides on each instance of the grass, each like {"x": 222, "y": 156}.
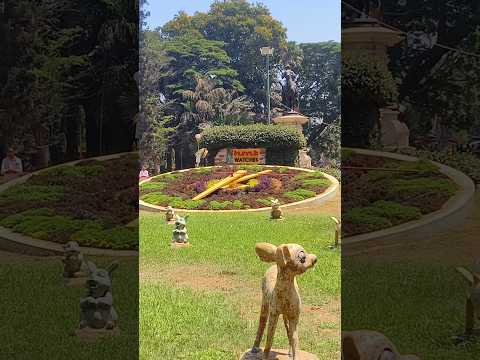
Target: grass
{"x": 180, "y": 322}
{"x": 39, "y": 313}
{"x": 419, "y": 307}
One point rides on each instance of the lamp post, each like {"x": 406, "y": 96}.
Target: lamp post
{"x": 267, "y": 52}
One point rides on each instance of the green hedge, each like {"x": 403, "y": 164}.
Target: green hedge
{"x": 257, "y": 135}
{"x": 281, "y": 142}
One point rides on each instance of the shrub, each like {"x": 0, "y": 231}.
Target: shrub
{"x": 300, "y": 194}
{"x": 238, "y": 204}
{"x": 218, "y": 205}
{"x": 256, "y": 135}
{"x": 423, "y": 186}
{"x": 78, "y": 170}
{"x": 316, "y": 182}
{"x": 25, "y": 192}
{"x": 358, "y": 221}
{"x": 266, "y": 202}
{"x": 119, "y": 237}
{"x": 156, "y": 198}
{"x": 186, "y": 204}
{"x": 310, "y": 175}
{"x": 153, "y": 186}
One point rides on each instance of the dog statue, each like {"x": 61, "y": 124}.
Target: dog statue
{"x": 276, "y": 212}
{"x": 370, "y": 345}
{"x": 280, "y": 293}
{"x": 180, "y": 235}
{"x": 74, "y": 264}
{"x": 96, "y": 309}
{"x": 170, "y": 215}
{"x": 472, "y": 306}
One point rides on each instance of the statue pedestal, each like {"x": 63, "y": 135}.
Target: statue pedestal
{"x": 176, "y": 245}
{"x": 278, "y": 354}
{"x": 75, "y": 281}
{"x": 91, "y": 335}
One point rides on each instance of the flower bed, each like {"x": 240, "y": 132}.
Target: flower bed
{"x": 379, "y": 192}
{"x": 89, "y": 202}
{"x": 177, "y": 189}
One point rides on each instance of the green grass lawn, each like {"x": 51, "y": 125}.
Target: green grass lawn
{"x": 39, "y": 313}
{"x": 193, "y": 321}
{"x": 419, "y": 307}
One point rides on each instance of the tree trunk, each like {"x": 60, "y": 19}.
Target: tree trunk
{"x": 92, "y": 114}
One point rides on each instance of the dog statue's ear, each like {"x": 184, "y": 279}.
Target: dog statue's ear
{"x": 266, "y": 252}
{"x": 282, "y": 255}
{"x": 349, "y": 350}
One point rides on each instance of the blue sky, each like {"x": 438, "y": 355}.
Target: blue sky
{"x": 306, "y": 20}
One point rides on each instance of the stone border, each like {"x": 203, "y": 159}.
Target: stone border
{"x": 19, "y": 243}
{"x": 451, "y": 214}
{"x": 320, "y": 198}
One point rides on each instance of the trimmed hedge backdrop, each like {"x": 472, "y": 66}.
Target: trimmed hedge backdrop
{"x": 281, "y": 142}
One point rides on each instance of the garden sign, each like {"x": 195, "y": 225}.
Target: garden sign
{"x": 232, "y": 156}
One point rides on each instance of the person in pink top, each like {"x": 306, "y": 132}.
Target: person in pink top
{"x": 144, "y": 173}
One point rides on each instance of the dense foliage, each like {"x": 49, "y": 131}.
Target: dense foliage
{"x": 69, "y": 70}
{"x": 257, "y": 135}
{"x": 206, "y": 69}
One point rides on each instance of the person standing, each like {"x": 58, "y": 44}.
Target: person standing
{"x": 11, "y": 166}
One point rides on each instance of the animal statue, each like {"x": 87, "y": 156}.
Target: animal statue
{"x": 472, "y": 305}
{"x": 170, "y": 214}
{"x": 74, "y": 264}
{"x": 338, "y": 230}
{"x": 290, "y": 89}
{"x": 370, "y": 345}
{"x": 276, "y": 212}
{"x": 96, "y": 309}
{"x": 180, "y": 232}
{"x": 280, "y": 295}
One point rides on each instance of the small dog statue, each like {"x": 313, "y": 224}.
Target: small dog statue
{"x": 280, "y": 293}
{"x": 180, "y": 235}
{"x": 170, "y": 215}
{"x": 276, "y": 213}
{"x": 74, "y": 264}
{"x": 370, "y": 345}
{"x": 472, "y": 305}
{"x": 96, "y": 309}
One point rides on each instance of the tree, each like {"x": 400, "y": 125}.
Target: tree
{"x": 244, "y": 28}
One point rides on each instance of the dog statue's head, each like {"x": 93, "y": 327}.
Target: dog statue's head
{"x": 71, "y": 248}
{"x": 287, "y": 256}
{"x": 181, "y": 222}
{"x": 100, "y": 280}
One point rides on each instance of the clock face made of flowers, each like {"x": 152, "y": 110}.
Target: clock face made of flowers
{"x": 231, "y": 187}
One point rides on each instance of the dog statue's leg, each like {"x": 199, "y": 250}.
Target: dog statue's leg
{"x": 272, "y": 325}
{"x": 469, "y": 318}
{"x": 293, "y": 336}
{"x": 285, "y": 321}
{"x": 261, "y": 325}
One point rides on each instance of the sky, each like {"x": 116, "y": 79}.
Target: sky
{"x": 305, "y": 20}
